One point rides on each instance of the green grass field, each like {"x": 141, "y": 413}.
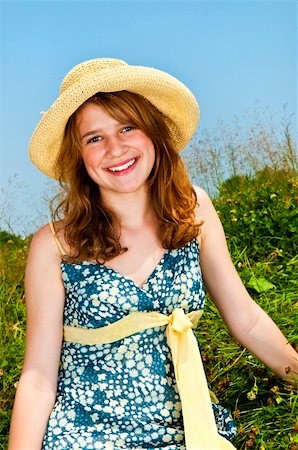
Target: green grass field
{"x": 260, "y": 215}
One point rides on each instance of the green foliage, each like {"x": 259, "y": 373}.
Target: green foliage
{"x": 12, "y": 325}
{"x": 6, "y": 237}
{"x": 260, "y": 212}
{"x": 264, "y": 407}
{"x": 246, "y": 146}
{"x": 263, "y": 245}
{"x": 260, "y": 218}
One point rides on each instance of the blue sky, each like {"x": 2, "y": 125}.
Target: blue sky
{"x": 231, "y": 54}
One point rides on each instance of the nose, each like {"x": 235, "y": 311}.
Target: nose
{"x": 114, "y": 146}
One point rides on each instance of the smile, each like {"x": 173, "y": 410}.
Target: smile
{"x": 123, "y": 167}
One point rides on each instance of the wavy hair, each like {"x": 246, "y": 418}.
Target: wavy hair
{"x": 90, "y": 228}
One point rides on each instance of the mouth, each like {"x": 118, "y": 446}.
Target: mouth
{"x": 122, "y": 168}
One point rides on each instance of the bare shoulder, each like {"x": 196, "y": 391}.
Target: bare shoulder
{"x": 43, "y": 240}
{"x": 201, "y": 194}
{"x": 211, "y": 228}
{"x": 43, "y": 277}
{"x": 205, "y": 205}
{"x": 44, "y": 250}
{"x": 43, "y": 236}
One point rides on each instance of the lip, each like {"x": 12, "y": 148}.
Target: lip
{"x": 124, "y": 171}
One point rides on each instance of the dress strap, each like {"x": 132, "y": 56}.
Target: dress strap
{"x": 59, "y": 245}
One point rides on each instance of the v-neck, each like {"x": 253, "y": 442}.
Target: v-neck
{"x": 126, "y": 278}
{"x": 119, "y": 274}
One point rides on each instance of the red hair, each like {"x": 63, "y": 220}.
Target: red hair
{"x": 90, "y": 228}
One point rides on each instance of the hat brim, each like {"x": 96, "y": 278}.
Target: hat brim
{"x": 165, "y": 92}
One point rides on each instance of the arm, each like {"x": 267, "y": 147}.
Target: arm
{"x": 36, "y": 390}
{"x": 247, "y": 322}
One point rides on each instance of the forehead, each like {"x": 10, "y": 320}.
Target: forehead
{"x": 107, "y": 108}
{"x": 93, "y": 114}
{"x": 91, "y": 111}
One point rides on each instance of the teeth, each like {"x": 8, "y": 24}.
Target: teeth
{"x": 125, "y": 166}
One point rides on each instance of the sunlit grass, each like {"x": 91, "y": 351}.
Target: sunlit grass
{"x": 12, "y": 326}
{"x": 264, "y": 407}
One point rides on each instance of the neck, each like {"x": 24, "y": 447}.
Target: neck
{"x": 133, "y": 209}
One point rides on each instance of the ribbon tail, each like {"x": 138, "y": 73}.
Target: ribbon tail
{"x": 199, "y": 422}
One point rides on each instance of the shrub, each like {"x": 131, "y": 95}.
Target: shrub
{"x": 263, "y": 245}
{"x": 260, "y": 213}
{"x": 12, "y": 323}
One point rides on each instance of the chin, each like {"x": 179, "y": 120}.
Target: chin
{"x": 132, "y": 188}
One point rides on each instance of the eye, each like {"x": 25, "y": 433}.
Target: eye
{"x": 94, "y": 139}
{"x": 127, "y": 128}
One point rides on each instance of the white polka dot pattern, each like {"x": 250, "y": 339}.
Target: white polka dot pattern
{"x": 124, "y": 395}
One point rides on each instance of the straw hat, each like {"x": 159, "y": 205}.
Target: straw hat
{"x": 165, "y": 92}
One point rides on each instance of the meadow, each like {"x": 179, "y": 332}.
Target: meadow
{"x": 259, "y": 209}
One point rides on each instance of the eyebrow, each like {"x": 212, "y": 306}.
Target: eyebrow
{"x": 89, "y": 133}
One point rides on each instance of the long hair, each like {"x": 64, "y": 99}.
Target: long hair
{"x": 90, "y": 228}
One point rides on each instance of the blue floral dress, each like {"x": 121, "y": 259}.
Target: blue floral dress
{"x": 124, "y": 395}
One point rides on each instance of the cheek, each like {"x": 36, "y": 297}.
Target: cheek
{"x": 149, "y": 146}
{"x": 152, "y": 154}
{"x": 91, "y": 158}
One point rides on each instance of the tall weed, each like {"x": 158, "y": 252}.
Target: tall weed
{"x": 260, "y": 218}
{"x": 260, "y": 212}
{"x": 252, "y": 176}
{"x": 247, "y": 146}
{"x": 12, "y": 323}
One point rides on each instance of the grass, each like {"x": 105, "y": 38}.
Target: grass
{"x": 260, "y": 217}
{"x": 12, "y": 328}
{"x": 264, "y": 407}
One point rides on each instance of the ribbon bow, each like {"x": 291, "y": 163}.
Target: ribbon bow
{"x": 199, "y": 422}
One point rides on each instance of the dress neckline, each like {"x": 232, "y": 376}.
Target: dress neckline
{"x": 118, "y": 274}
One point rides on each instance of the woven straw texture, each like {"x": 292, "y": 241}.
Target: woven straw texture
{"x": 165, "y": 92}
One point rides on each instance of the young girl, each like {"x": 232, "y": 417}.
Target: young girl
{"x": 114, "y": 285}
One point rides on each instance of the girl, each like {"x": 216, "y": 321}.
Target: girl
{"x": 115, "y": 283}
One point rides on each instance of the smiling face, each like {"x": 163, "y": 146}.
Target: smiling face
{"x": 118, "y": 156}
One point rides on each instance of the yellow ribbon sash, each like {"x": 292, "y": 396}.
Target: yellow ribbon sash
{"x": 199, "y": 423}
